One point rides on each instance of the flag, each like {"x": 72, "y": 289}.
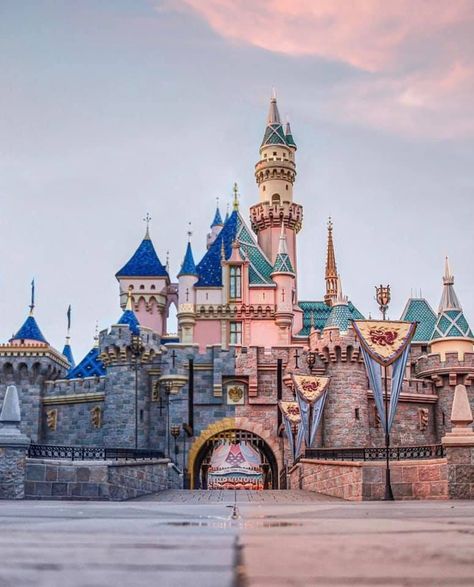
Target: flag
{"x": 291, "y": 420}
{"x": 311, "y": 392}
{"x": 69, "y": 318}
{"x": 385, "y": 343}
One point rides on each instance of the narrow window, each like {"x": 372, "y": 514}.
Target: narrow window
{"x": 235, "y": 282}
{"x": 357, "y": 414}
{"x": 236, "y": 333}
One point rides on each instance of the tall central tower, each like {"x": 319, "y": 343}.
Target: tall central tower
{"x": 275, "y": 174}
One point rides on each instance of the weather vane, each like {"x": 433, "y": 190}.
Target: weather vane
{"x": 147, "y": 220}
{"x": 190, "y": 232}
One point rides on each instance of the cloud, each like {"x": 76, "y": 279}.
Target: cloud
{"x": 417, "y": 58}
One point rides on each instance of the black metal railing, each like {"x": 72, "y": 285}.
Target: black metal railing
{"x": 397, "y": 453}
{"x": 91, "y": 453}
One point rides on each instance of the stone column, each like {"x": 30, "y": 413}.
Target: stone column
{"x": 13, "y": 448}
{"x": 459, "y": 445}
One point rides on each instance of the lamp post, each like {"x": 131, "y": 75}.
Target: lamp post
{"x": 311, "y": 360}
{"x": 167, "y": 385}
{"x": 188, "y": 433}
{"x": 175, "y": 431}
{"x": 136, "y": 348}
{"x": 383, "y": 297}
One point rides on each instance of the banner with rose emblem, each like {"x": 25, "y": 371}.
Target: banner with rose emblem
{"x": 385, "y": 343}
{"x": 311, "y": 392}
{"x": 292, "y": 421}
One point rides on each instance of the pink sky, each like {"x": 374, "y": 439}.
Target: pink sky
{"x": 416, "y": 59}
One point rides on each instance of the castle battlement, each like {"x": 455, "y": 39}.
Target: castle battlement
{"x": 433, "y": 364}
{"x": 333, "y": 346}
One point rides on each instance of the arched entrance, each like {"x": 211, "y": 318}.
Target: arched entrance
{"x": 201, "y": 462}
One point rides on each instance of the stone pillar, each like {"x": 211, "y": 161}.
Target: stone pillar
{"x": 459, "y": 445}
{"x": 13, "y": 448}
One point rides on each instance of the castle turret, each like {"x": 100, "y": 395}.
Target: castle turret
{"x": 149, "y": 282}
{"x": 275, "y": 175}
{"x": 187, "y": 278}
{"x": 216, "y": 226}
{"x": 452, "y": 332}
{"x": 331, "y": 269}
{"x": 284, "y": 277}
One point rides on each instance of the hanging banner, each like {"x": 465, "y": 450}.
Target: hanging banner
{"x": 311, "y": 392}
{"x": 385, "y": 343}
{"x": 294, "y": 431}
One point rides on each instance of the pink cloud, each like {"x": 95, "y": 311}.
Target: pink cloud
{"x": 418, "y": 56}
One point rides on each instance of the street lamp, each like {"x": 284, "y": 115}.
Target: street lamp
{"x": 168, "y": 385}
{"x": 383, "y": 297}
{"x": 136, "y": 348}
{"x": 311, "y": 360}
{"x": 175, "y": 431}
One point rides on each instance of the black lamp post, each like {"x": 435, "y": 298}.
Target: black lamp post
{"x": 167, "y": 385}
{"x": 383, "y": 297}
{"x": 311, "y": 360}
{"x": 137, "y": 348}
{"x": 175, "y": 431}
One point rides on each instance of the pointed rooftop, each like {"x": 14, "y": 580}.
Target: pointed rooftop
{"x": 290, "y": 141}
{"x": 341, "y": 316}
{"x": 30, "y": 329}
{"x": 129, "y": 318}
{"x": 217, "y": 218}
{"x": 282, "y": 261}
{"x": 188, "y": 266}
{"x": 67, "y": 352}
{"x": 451, "y": 322}
{"x": 331, "y": 268}
{"x": 90, "y": 366}
{"x": 144, "y": 261}
{"x": 274, "y": 133}
{"x": 419, "y": 310}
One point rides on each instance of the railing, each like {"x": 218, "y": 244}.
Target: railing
{"x": 91, "y": 453}
{"x": 397, "y": 453}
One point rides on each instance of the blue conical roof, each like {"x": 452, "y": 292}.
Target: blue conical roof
{"x": 217, "y": 218}
{"x": 189, "y": 266}
{"x": 144, "y": 262}
{"x": 129, "y": 318}
{"x": 30, "y": 330}
{"x": 340, "y": 317}
{"x": 67, "y": 352}
{"x": 90, "y": 366}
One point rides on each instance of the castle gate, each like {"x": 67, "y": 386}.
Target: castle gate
{"x": 200, "y": 466}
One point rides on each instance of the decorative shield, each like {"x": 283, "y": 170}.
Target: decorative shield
{"x": 310, "y": 387}
{"x": 292, "y": 420}
{"x": 384, "y": 340}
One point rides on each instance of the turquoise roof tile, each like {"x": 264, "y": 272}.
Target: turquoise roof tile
{"x": 319, "y": 312}
{"x": 419, "y": 310}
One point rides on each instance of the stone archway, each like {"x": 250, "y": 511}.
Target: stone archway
{"x": 228, "y": 424}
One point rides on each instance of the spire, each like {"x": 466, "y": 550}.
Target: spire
{"x": 217, "y": 216}
{"x": 226, "y": 214}
{"x": 67, "y": 350}
{"x": 96, "y": 335}
{"x": 32, "y": 305}
{"x": 290, "y": 141}
{"x": 188, "y": 266}
{"x": 273, "y": 114}
{"x": 147, "y": 220}
{"x": 30, "y": 329}
{"x": 282, "y": 261}
{"x": 451, "y": 322}
{"x": 449, "y": 299}
{"x": 274, "y": 133}
{"x": 235, "y": 204}
{"x": 341, "y": 299}
{"x": 331, "y": 269}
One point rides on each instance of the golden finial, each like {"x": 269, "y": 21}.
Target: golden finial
{"x": 235, "y": 189}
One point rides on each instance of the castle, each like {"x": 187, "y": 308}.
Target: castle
{"x": 242, "y": 330}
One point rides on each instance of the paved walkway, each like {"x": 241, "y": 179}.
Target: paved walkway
{"x": 270, "y": 497}
{"x": 284, "y": 539}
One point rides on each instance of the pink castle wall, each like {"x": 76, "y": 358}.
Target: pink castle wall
{"x": 207, "y": 332}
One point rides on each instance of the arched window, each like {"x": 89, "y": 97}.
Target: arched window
{"x": 152, "y": 287}
{"x": 235, "y": 282}
{"x": 276, "y": 198}
{"x": 142, "y": 287}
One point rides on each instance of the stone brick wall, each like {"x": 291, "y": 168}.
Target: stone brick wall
{"x": 12, "y": 472}
{"x": 116, "y": 481}
{"x": 460, "y": 471}
{"x": 357, "y": 481}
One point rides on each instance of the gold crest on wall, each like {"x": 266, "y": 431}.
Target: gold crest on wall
{"x": 52, "y": 419}
{"x": 235, "y": 392}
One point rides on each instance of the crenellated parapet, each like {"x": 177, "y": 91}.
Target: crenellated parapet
{"x": 447, "y": 369}
{"x": 223, "y": 311}
{"x": 266, "y": 214}
{"x": 116, "y": 345}
{"x": 333, "y": 346}
{"x": 33, "y": 363}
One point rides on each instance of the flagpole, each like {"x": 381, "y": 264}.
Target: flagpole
{"x": 388, "y": 487}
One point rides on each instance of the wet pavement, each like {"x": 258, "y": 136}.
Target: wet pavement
{"x": 280, "y": 538}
